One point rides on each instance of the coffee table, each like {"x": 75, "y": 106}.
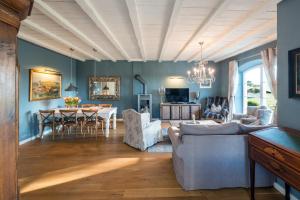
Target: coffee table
{"x": 176, "y": 123}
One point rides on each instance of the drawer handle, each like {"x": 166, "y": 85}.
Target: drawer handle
{"x": 275, "y": 166}
{"x": 274, "y": 153}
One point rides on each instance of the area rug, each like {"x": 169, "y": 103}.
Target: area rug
{"x": 164, "y": 146}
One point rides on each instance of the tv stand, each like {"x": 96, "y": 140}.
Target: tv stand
{"x": 179, "y": 111}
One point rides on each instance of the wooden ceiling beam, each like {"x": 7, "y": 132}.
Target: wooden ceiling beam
{"x": 135, "y": 20}
{"x": 58, "y": 18}
{"x": 248, "y": 47}
{"x": 54, "y": 36}
{"x": 248, "y": 35}
{"x": 219, "y": 9}
{"x": 36, "y": 41}
{"x": 172, "y": 21}
{"x": 90, "y": 10}
{"x": 246, "y": 19}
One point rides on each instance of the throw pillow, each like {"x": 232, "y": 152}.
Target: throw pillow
{"x": 264, "y": 116}
{"x": 216, "y": 109}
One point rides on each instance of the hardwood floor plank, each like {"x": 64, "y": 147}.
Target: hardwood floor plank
{"x": 77, "y": 168}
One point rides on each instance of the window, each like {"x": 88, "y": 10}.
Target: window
{"x": 256, "y": 91}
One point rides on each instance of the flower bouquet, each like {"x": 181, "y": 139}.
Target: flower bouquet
{"x": 72, "y": 101}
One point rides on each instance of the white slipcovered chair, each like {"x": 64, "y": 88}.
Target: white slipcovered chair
{"x": 140, "y": 132}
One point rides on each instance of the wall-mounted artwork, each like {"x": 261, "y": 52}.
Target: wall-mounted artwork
{"x": 206, "y": 84}
{"x": 104, "y": 88}
{"x": 294, "y": 73}
{"x": 44, "y": 84}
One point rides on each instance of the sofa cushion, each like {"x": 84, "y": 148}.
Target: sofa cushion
{"x": 222, "y": 129}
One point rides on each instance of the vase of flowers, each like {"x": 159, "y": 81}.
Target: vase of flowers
{"x": 72, "y": 102}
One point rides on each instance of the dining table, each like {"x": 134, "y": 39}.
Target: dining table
{"x": 105, "y": 113}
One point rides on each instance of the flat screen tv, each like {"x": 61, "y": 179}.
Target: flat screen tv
{"x": 177, "y": 95}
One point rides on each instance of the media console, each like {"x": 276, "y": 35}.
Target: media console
{"x": 182, "y": 111}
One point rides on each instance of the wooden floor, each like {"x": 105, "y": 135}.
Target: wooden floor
{"x": 79, "y": 168}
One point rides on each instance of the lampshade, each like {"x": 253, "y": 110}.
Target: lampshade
{"x": 71, "y": 88}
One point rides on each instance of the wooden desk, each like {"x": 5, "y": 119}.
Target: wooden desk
{"x": 278, "y": 150}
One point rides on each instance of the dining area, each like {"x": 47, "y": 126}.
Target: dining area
{"x": 84, "y": 119}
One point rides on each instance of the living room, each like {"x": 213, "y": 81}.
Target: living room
{"x": 171, "y": 99}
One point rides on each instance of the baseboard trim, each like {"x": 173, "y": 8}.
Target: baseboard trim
{"x": 47, "y": 132}
{"x": 280, "y": 189}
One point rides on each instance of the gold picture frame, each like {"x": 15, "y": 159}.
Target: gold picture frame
{"x": 104, "y": 88}
{"x": 44, "y": 84}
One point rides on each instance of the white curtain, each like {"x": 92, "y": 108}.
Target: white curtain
{"x": 269, "y": 58}
{"x": 232, "y": 86}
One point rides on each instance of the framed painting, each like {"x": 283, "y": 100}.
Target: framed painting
{"x": 104, "y": 88}
{"x": 44, "y": 85}
{"x": 294, "y": 73}
{"x": 206, "y": 84}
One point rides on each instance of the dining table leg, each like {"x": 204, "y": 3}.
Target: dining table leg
{"x": 107, "y": 123}
{"x": 115, "y": 120}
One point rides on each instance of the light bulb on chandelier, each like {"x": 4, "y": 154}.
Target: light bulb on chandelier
{"x": 201, "y": 74}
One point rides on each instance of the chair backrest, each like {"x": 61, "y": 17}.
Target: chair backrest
{"x": 132, "y": 119}
{"x": 223, "y": 101}
{"x": 88, "y": 105}
{"x": 90, "y": 115}
{"x": 47, "y": 116}
{"x": 69, "y": 115}
{"x": 105, "y": 105}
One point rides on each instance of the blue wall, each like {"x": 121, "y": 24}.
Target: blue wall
{"x": 288, "y": 31}
{"x": 156, "y": 75}
{"x": 30, "y": 56}
{"x": 288, "y": 38}
{"x": 245, "y": 60}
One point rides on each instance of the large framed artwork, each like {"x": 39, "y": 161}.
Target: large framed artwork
{"x": 104, "y": 88}
{"x": 294, "y": 73}
{"x": 44, "y": 85}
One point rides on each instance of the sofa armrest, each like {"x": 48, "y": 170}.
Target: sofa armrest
{"x": 174, "y": 135}
{"x": 155, "y": 123}
{"x": 238, "y": 116}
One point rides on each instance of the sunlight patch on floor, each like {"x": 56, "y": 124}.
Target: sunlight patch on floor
{"x": 65, "y": 175}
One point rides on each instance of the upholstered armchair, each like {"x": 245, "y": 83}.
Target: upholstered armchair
{"x": 216, "y": 108}
{"x": 140, "y": 132}
{"x": 258, "y": 115}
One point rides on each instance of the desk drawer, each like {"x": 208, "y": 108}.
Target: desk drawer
{"x": 286, "y": 173}
{"x": 276, "y": 153}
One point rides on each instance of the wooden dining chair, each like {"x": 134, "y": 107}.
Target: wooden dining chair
{"x": 88, "y": 105}
{"x": 68, "y": 120}
{"x": 48, "y": 119}
{"x": 90, "y": 121}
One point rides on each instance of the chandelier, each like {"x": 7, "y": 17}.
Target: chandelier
{"x": 201, "y": 73}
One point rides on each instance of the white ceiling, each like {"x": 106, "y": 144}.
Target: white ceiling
{"x": 142, "y": 30}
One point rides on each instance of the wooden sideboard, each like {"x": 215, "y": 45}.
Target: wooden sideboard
{"x": 169, "y": 111}
{"x": 278, "y": 150}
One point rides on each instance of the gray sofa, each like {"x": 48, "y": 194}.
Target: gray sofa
{"x": 214, "y": 156}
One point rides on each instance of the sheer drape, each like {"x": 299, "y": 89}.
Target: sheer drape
{"x": 232, "y": 86}
{"x": 269, "y": 58}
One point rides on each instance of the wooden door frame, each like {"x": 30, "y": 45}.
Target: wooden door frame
{"x": 12, "y": 12}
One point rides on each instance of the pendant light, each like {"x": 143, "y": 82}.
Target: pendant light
{"x": 71, "y": 87}
{"x": 93, "y": 87}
